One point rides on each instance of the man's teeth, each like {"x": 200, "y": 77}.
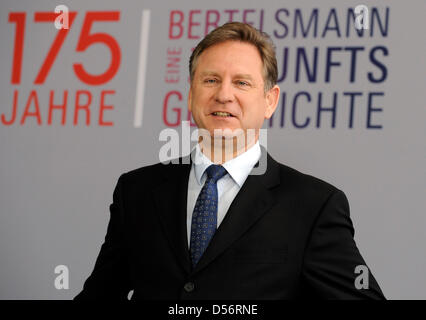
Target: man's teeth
{"x": 222, "y": 114}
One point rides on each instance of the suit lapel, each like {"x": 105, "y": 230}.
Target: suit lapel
{"x": 251, "y": 203}
{"x": 171, "y": 200}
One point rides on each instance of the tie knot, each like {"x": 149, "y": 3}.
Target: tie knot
{"x": 215, "y": 172}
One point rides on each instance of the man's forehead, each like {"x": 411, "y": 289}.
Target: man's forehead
{"x": 211, "y": 62}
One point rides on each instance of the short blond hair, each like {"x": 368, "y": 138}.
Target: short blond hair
{"x": 238, "y": 31}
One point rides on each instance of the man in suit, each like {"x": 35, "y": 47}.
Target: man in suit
{"x": 210, "y": 228}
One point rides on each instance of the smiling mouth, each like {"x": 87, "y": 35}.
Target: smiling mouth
{"x": 222, "y": 114}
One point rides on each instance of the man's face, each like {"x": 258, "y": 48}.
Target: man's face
{"x": 227, "y": 90}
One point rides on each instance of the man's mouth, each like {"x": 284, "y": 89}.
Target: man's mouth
{"x": 222, "y": 114}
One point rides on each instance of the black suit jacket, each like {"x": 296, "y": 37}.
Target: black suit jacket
{"x": 286, "y": 235}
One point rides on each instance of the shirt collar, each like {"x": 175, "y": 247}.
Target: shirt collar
{"x": 238, "y": 168}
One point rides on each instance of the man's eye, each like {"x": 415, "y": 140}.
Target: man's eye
{"x": 210, "y": 81}
{"x": 242, "y": 83}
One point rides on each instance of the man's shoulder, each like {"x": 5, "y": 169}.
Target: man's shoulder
{"x": 299, "y": 181}
{"x": 156, "y": 172}
{"x": 305, "y": 190}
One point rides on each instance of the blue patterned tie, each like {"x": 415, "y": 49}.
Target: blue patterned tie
{"x": 204, "y": 217}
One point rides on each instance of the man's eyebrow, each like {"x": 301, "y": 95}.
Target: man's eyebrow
{"x": 209, "y": 73}
{"x": 244, "y": 76}
{"x": 238, "y": 75}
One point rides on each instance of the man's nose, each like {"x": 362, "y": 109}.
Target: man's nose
{"x": 225, "y": 93}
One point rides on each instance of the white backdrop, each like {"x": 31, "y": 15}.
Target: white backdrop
{"x": 59, "y": 165}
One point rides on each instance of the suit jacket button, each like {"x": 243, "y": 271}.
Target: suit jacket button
{"x": 189, "y": 286}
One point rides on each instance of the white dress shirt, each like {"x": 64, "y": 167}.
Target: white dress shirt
{"x": 228, "y": 186}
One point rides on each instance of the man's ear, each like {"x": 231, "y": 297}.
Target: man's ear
{"x": 190, "y": 99}
{"x": 272, "y": 98}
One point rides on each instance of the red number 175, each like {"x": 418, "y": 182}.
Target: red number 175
{"x": 85, "y": 40}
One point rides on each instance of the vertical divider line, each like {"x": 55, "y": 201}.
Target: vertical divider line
{"x": 140, "y": 83}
